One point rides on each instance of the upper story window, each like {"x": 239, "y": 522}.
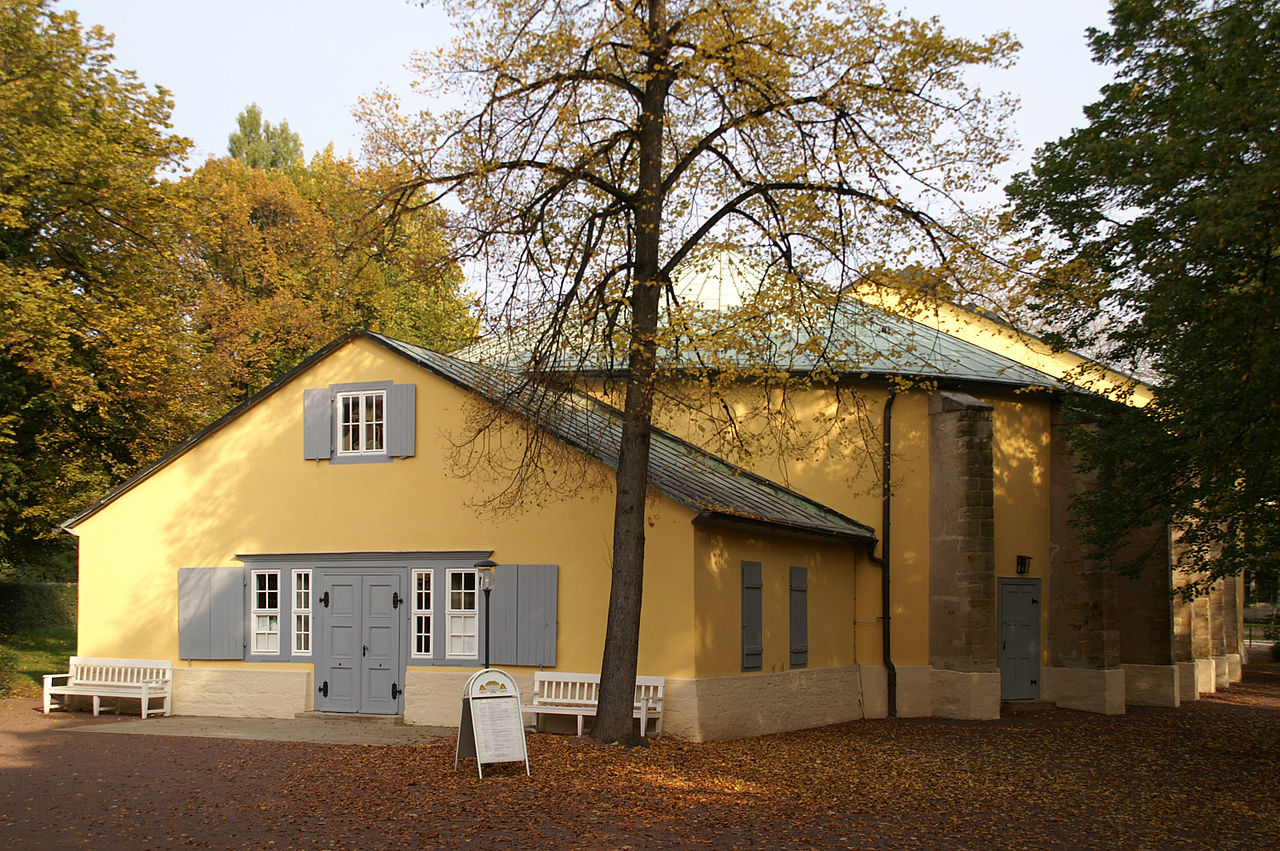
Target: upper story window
{"x": 358, "y": 423}
{"x": 362, "y": 423}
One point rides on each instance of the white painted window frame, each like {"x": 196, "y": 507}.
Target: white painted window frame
{"x": 263, "y": 611}
{"x": 301, "y": 607}
{"x": 417, "y": 611}
{"x": 462, "y": 613}
{"x": 360, "y": 423}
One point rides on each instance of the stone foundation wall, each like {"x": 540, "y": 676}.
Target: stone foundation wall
{"x": 967, "y": 695}
{"x": 1152, "y": 685}
{"x": 242, "y": 693}
{"x": 1086, "y": 689}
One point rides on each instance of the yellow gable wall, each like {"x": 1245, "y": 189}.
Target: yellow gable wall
{"x": 835, "y": 605}
{"x": 247, "y": 489}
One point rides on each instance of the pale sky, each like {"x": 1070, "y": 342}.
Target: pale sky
{"x": 309, "y": 61}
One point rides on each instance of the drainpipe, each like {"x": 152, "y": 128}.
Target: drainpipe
{"x": 883, "y": 559}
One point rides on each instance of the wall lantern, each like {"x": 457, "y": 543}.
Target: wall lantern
{"x": 487, "y": 570}
{"x": 1024, "y": 565}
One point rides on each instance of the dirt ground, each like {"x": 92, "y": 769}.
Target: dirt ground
{"x": 1204, "y": 775}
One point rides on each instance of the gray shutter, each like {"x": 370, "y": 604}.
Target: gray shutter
{"x": 799, "y": 617}
{"x": 522, "y": 611}
{"x": 211, "y": 607}
{"x": 536, "y": 643}
{"x": 752, "y": 616}
{"x": 317, "y": 423}
{"x": 503, "y": 609}
{"x": 400, "y": 420}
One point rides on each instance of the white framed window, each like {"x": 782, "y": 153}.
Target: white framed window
{"x": 302, "y": 612}
{"x": 266, "y": 611}
{"x": 422, "y": 612}
{"x": 461, "y": 615}
{"x": 362, "y": 423}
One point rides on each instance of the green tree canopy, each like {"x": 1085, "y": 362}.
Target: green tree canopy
{"x": 91, "y": 342}
{"x": 1162, "y": 221}
{"x": 259, "y": 144}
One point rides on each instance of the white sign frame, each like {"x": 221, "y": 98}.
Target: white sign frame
{"x": 492, "y": 724}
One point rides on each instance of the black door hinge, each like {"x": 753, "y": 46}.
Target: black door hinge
{"x": 324, "y": 599}
{"x": 324, "y": 688}
{"x": 395, "y": 690}
{"x": 395, "y": 599}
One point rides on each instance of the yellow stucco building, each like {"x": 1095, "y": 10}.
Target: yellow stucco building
{"x": 316, "y": 549}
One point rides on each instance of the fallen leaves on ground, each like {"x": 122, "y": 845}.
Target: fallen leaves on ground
{"x": 1198, "y": 776}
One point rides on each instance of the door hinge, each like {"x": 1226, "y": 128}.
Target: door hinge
{"x": 1035, "y": 682}
{"x": 1034, "y": 601}
{"x": 324, "y": 599}
{"x": 395, "y": 691}
{"x": 324, "y": 688}
{"x": 395, "y": 599}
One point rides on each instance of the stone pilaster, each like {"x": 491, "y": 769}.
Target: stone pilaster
{"x": 1083, "y": 652}
{"x": 962, "y": 583}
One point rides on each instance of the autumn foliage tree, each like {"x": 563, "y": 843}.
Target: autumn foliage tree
{"x": 91, "y": 343}
{"x": 605, "y": 143}
{"x": 286, "y": 260}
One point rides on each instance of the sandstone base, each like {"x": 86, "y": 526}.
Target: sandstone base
{"x": 1152, "y": 685}
{"x": 969, "y": 695}
{"x": 1206, "y": 680}
{"x": 1234, "y": 670}
{"x": 241, "y": 693}
{"x": 714, "y": 708}
{"x": 1221, "y": 672}
{"x": 1089, "y": 689}
{"x": 915, "y": 691}
{"x": 1187, "y": 682}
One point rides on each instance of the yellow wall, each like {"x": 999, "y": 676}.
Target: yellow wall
{"x": 247, "y": 489}
{"x": 1020, "y": 448}
{"x": 832, "y": 603}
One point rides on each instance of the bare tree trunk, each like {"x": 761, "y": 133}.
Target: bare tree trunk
{"x": 622, "y": 634}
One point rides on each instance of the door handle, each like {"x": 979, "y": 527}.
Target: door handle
{"x": 365, "y": 651}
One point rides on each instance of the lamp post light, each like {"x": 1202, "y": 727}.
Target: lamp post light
{"x": 487, "y": 570}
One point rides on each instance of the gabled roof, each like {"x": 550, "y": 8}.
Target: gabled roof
{"x": 722, "y": 492}
{"x": 856, "y": 338}
{"x": 677, "y": 469}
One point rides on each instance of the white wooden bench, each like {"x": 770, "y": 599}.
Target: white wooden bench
{"x": 559, "y": 693}
{"x": 141, "y": 679}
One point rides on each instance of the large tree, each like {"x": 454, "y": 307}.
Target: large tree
{"x": 606, "y": 142}
{"x": 286, "y": 260}
{"x": 90, "y": 325}
{"x": 261, "y": 144}
{"x": 1162, "y": 221}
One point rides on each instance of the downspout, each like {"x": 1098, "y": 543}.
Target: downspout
{"x": 883, "y": 559}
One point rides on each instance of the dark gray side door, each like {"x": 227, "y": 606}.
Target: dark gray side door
{"x": 358, "y": 662}
{"x": 1019, "y": 639}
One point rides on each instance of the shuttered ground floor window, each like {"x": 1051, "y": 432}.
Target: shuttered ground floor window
{"x": 236, "y": 613}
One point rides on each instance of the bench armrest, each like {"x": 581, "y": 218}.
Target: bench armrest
{"x": 49, "y": 678}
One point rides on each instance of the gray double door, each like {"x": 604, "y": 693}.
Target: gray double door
{"x": 1019, "y": 639}
{"x": 359, "y": 666}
